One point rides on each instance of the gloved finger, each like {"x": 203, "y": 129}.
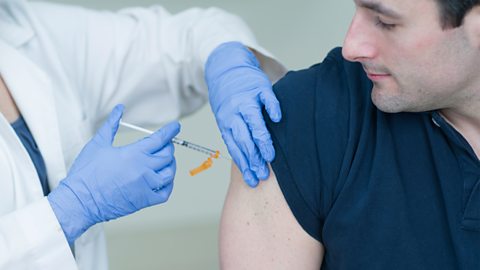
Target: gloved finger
{"x": 240, "y": 160}
{"x": 158, "y": 180}
{"x": 161, "y": 195}
{"x": 272, "y": 106}
{"x": 162, "y": 158}
{"x": 166, "y": 151}
{"x": 106, "y": 133}
{"x": 263, "y": 171}
{"x": 159, "y": 139}
{"x": 254, "y": 119}
{"x": 241, "y": 135}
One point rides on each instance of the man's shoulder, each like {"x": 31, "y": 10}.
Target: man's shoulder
{"x": 333, "y": 81}
{"x": 328, "y": 95}
{"x": 321, "y": 106}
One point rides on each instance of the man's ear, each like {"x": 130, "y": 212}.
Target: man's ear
{"x": 471, "y": 24}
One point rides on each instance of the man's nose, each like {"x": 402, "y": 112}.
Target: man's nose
{"x": 358, "y": 44}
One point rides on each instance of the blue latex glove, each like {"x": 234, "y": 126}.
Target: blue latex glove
{"x": 107, "y": 182}
{"x": 238, "y": 89}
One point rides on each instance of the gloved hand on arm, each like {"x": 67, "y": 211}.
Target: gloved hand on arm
{"x": 238, "y": 90}
{"x": 107, "y": 182}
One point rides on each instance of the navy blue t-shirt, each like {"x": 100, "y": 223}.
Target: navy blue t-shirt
{"x": 26, "y": 137}
{"x": 378, "y": 190}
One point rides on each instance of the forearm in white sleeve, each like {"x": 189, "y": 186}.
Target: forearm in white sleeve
{"x": 146, "y": 58}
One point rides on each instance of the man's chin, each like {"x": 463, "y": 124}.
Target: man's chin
{"x": 386, "y": 104}
{"x": 387, "y": 109}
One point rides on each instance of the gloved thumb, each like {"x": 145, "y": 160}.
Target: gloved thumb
{"x": 106, "y": 134}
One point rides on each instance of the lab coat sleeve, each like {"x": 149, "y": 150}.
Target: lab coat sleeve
{"x": 31, "y": 238}
{"x": 146, "y": 58}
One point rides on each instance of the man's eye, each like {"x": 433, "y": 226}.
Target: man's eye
{"x": 383, "y": 25}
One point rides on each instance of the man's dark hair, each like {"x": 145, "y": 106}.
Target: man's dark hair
{"x": 452, "y": 12}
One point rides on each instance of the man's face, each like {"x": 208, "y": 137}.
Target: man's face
{"x": 414, "y": 64}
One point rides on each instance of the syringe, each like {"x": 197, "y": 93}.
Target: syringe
{"x": 178, "y": 141}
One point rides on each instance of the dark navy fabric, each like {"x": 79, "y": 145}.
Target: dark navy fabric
{"x": 378, "y": 190}
{"x": 21, "y": 128}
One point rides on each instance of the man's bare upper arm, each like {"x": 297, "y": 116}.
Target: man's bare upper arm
{"x": 259, "y": 231}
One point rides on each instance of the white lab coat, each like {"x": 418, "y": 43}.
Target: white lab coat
{"x": 66, "y": 67}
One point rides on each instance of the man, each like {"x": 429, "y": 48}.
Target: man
{"x": 376, "y": 161}
{"x": 62, "y": 71}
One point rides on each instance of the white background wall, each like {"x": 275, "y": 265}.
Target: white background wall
{"x": 182, "y": 234}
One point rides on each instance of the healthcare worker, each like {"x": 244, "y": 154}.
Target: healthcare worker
{"x": 63, "y": 69}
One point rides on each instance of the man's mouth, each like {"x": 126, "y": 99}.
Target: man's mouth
{"x": 376, "y": 76}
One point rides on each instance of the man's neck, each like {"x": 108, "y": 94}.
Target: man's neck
{"x": 467, "y": 123}
{"x": 7, "y": 105}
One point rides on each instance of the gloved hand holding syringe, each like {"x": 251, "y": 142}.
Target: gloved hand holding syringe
{"x": 211, "y": 153}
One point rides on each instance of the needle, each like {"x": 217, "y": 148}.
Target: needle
{"x": 178, "y": 141}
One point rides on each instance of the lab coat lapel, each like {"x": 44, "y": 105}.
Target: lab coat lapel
{"x": 14, "y": 29}
{"x": 32, "y": 92}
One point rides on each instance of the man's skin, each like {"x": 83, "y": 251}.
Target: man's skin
{"x": 7, "y": 105}
{"x": 261, "y": 232}
{"x": 416, "y": 64}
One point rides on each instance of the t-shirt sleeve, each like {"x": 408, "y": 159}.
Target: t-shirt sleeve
{"x": 311, "y": 140}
